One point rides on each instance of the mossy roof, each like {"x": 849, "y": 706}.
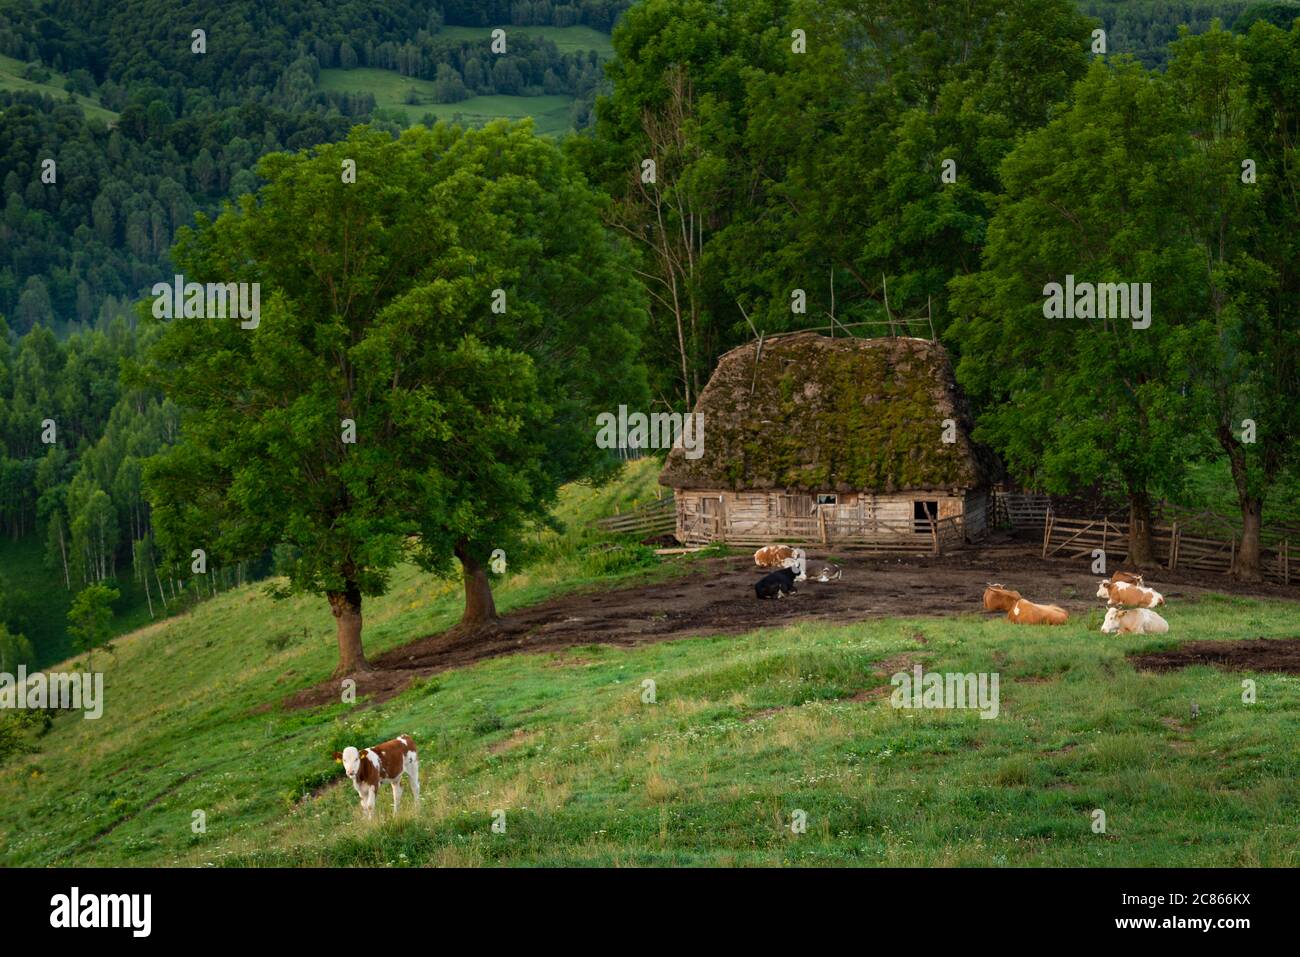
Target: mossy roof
{"x": 825, "y": 414}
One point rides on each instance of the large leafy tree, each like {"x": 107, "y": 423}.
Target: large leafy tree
{"x": 1071, "y": 401}
{"x": 460, "y": 303}
{"x": 815, "y": 167}
{"x": 1237, "y": 100}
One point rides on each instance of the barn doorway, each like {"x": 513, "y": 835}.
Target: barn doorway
{"x": 923, "y": 513}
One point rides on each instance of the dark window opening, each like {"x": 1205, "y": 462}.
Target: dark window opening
{"x": 827, "y": 499}
{"x": 922, "y": 514}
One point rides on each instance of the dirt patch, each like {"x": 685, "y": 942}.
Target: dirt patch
{"x": 517, "y": 738}
{"x": 1257, "y": 654}
{"x": 716, "y": 597}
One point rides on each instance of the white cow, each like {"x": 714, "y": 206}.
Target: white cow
{"x": 1133, "y": 621}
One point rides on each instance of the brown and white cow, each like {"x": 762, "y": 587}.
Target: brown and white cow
{"x": 1025, "y": 612}
{"x": 1123, "y": 593}
{"x": 1131, "y": 578}
{"x": 371, "y": 767}
{"x": 783, "y": 556}
{"x": 1000, "y": 598}
{"x": 773, "y": 556}
{"x": 1133, "y": 621}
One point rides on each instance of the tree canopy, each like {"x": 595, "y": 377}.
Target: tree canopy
{"x": 459, "y": 306}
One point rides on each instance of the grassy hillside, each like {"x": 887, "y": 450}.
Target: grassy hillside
{"x": 744, "y": 731}
{"x": 11, "y": 78}
{"x": 550, "y": 113}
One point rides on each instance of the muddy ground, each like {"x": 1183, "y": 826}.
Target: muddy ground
{"x": 716, "y": 597}
{"x": 1259, "y": 654}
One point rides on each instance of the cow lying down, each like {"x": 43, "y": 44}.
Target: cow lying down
{"x": 1133, "y": 621}
{"x": 1025, "y": 612}
{"x": 1000, "y": 598}
{"x": 1125, "y": 593}
{"x": 371, "y": 767}
{"x": 777, "y": 584}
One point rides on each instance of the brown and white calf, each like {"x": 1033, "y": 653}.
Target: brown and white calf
{"x": 371, "y": 767}
{"x": 1025, "y": 612}
{"x": 783, "y": 556}
{"x": 1131, "y": 578}
{"x": 1123, "y": 593}
{"x": 1000, "y": 598}
{"x": 773, "y": 556}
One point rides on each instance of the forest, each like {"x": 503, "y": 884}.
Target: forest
{"x": 776, "y": 172}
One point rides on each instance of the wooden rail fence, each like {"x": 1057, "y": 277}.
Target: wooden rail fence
{"x": 1172, "y": 545}
{"x": 1020, "y": 509}
{"x": 657, "y": 518}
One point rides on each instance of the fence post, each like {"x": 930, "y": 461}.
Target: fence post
{"x": 1173, "y": 546}
{"x": 1047, "y": 530}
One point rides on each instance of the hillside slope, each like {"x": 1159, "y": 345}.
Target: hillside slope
{"x": 743, "y": 732}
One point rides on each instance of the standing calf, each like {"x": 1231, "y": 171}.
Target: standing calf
{"x": 370, "y": 767}
{"x": 773, "y": 556}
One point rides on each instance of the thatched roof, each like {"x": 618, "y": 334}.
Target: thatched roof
{"x": 827, "y": 415}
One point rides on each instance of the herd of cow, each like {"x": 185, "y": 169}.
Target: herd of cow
{"x": 791, "y": 566}
{"x": 1128, "y": 600}
{"x": 1128, "y": 607}
{"x": 1129, "y": 604}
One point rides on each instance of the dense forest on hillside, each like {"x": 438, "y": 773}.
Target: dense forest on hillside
{"x": 1145, "y": 28}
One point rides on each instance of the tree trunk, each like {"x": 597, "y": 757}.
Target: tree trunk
{"x": 1248, "y": 569}
{"x": 63, "y": 553}
{"x": 1140, "y": 552}
{"x": 346, "y": 606}
{"x": 479, "y": 606}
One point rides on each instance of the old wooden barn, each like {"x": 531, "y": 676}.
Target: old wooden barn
{"x": 810, "y": 439}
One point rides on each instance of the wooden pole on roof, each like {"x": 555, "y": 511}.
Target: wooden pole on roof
{"x": 884, "y": 285}
{"x": 758, "y": 354}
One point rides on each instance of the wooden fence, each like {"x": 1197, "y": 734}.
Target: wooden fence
{"x": 1020, "y": 509}
{"x": 1173, "y": 545}
{"x": 657, "y": 518}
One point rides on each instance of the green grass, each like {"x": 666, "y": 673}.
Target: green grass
{"x": 11, "y": 78}
{"x": 550, "y": 113}
{"x": 566, "y": 39}
{"x": 744, "y": 731}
